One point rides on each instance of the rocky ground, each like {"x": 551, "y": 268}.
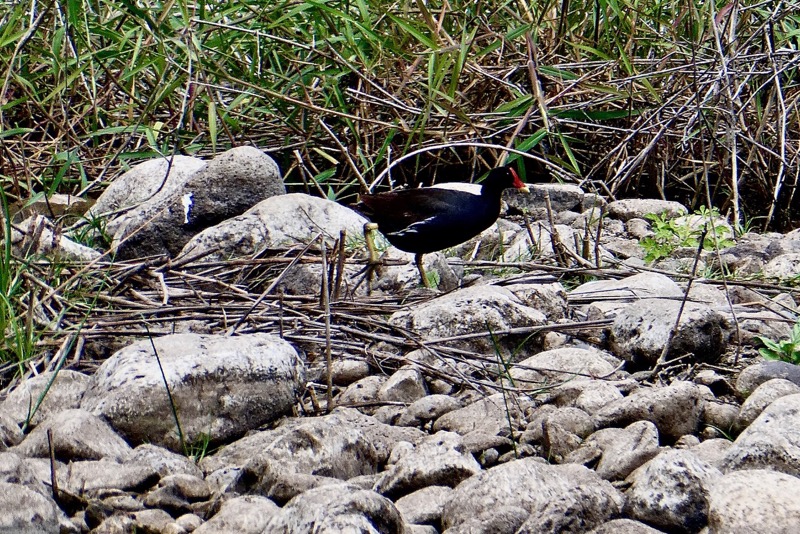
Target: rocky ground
{"x": 538, "y": 390}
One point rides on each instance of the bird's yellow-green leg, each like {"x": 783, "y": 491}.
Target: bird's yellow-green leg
{"x": 421, "y": 268}
{"x": 369, "y": 238}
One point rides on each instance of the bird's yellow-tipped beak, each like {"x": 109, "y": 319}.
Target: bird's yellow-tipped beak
{"x": 524, "y": 189}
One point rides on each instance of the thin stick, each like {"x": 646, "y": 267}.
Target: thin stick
{"x": 326, "y": 308}
{"x": 340, "y": 258}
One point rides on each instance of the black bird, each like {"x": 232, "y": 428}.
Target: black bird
{"x": 435, "y": 218}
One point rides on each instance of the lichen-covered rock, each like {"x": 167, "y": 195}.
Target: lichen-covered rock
{"x": 439, "y": 460}
{"x": 675, "y": 409}
{"x": 771, "y": 441}
{"x": 642, "y": 330}
{"x": 337, "y": 508}
{"x": 546, "y": 492}
{"x": 468, "y": 311}
{"x": 754, "y": 500}
{"x": 225, "y": 187}
{"x": 669, "y": 491}
{"x": 221, "y": 387}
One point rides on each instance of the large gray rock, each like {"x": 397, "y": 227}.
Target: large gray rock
{"x": 489, "y": 415}
{"x": 338, "y": 508}
{"x": 52, "y": 392}
{"x": 226, "y": 187}
{"x": 23, "y": 511}
{"x": 755, "y": 375}
{"x": 468, "y": 311}
{"x": 607, "y": 297}
{"x": 642, "y": 330}
{"x": 147, "y": 181}
{"x": 676, "y": 409}
{"x": 76, "y": 435}
{"x": 624, "y": 526}
{"x": 10, "y": 432}
{"x": 37, "y": 236}
{"x": 563, "y": 197}
{"x": 629, "y": 208}
{"x": 424, "y": 506}
{"x": 248, "y": 514}
{"x": 546, "y": 492}
{"x": 567, "y": 364}
{"x": 754, "y": 501}
{"x": 762, "y": 397}
{"x": 221, "y": 387}
{"x": 319, "y": 446}
{"x": 771, "y": 441}
{"x": 275, "y": 222}
{"x": 439, "y": 460}
{"x": 669, "y": 491}
{"x": 93, "y": 475}
{"x": 616, "y": 452}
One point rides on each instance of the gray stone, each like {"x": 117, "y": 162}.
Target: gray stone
{"x": 762, "y": 397}
{"x": 76, "y": 435}
{"x": 10, "y": 432}
{"x": 428, "y": 409}
{"x": 624, "y": 526}
{"x": 720, "y": 415}
{"x": 345, "y": 372}
{"x": 150, "y": 180}
{"x": 278, "y": 221}
{"x": 319, "y": 446}
{"x": 104, "y": 474}
{"x": 546, "y": 492}
{"x": 439, "y": 460}
{"x": 489, "y": 415}
{"x": 151, "y": 520}
{"x": 551, "y": 367}
{"x": 675, "y": 409}
{"x": 14, "y": 469}
{"x": 616, "y": 452}
{"x": 610, "y": 296}
{"x": 669, "y": 491}
{"x": 712, "y": 451}
{"x": 221, "y": 386}
{"x": 548, "y": 297}
{"x": 163, "y": 461}
{"x": 754, "y": 501}
{"x": 64, "y": 393}
{"x": 755, "y": 375}
{"x": 424, "y": 505}
{"x": 783, "y": 267}
{"x": 405, "y": 385}
{"x": 640, "y": 332}
{"x": 361, "y": 391}
{"x": 248, "y": 514}
{"x": 226, "y": 187}
{"x": 338, "y": 508}
{"x": 587, "y": 395}
{"x": 629, "y": 208}
{"x": 37, "y": 236}
{"x": 771, "y": 441}
{"x": 562, "y": 197}
{"x": 468, "y": 311}
{"x": 24, "y": 511}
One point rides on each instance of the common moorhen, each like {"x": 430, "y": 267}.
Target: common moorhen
{"x": 433, "y": 218}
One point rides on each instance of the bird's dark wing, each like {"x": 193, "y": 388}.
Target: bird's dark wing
{"x": 397, "y": 210}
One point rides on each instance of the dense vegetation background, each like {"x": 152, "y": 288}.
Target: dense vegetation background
{"x": 629, "y": 97}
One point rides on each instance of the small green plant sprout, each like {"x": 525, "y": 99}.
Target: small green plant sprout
{"x": 785, "y": 350}
{"x": 670, "y": 234}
